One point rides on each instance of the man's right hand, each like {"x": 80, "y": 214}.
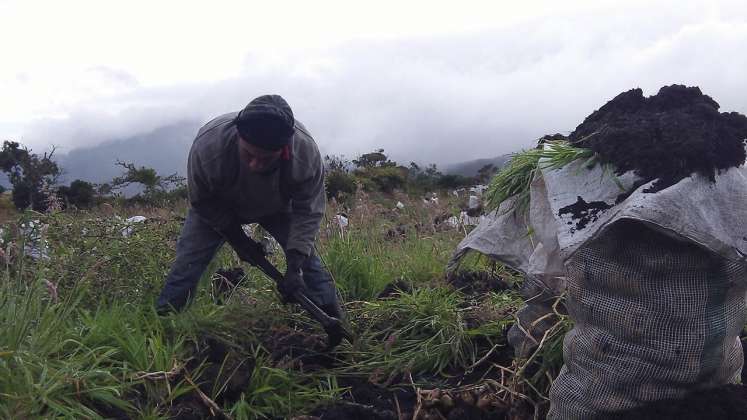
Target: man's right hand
{"x": 293, "y": 280}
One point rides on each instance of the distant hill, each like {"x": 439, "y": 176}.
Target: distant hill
{"x": 470, "y": 168}
{"x": 164, "y": 149}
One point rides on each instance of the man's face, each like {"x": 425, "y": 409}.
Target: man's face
{"x": 258, "y": 159}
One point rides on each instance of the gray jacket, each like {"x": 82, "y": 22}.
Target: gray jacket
{"x": 223, "y": 192}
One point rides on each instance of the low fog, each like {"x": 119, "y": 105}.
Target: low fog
{"x": 437, "y": 98}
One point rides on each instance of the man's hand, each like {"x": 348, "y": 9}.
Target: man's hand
{"x": 251, "y": 251}
{"x": 293, "y": 279}
{"x": 247, "y": 249}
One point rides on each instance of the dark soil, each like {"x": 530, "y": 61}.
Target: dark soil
{"x": 400, "y": 231}
{"x": 225, "y": 365}
{"x": 667, "y": 136}
{"x": 441, "y": 219}
{"x": 477, "y": 282}
{"x": 345, "y": 410}
{"x": 728, "y": 402}
{"x": 475, "y": 212}
{"x": 188, "y": 407}
{"x": 394, "y": 288}
{"x": 365, "y": 400}
{"x": 298, "y": 349}
{"x": 224, "y": 281}
{"x": 583, "y": 212}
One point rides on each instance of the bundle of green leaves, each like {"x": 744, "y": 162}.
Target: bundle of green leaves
{"x": 515, "y": 178}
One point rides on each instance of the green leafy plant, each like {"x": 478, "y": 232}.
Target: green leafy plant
{"x": 517, "y": 176}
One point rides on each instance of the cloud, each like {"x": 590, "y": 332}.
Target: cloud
{"x": 444, "y": 98}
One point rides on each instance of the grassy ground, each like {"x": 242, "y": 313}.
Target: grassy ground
{"x": 81, "y": 338}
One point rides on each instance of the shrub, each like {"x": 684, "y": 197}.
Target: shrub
{"x": 79, "y": 194}
{"x": 340, "y": 184}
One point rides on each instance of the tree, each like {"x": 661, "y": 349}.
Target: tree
{"x": 31, "y": 175}
{"x": 423, "y": 180}
{"x": 375, "y": 159}
{"x": 340, "y": 184}
{"x": 376, "y": 172}
{"x": 485, "y": 174}
{"x": 450, "y": 181}
{"x": 334, "y": 163}
{"x": 388, "y": 178}
{"x": 79, "y": 194}
{"x": 156, "y": 188}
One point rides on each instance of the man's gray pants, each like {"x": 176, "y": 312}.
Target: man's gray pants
{"x": 197, "y": 245}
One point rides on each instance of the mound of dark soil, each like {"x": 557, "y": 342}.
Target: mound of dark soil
{"x": 477, "y": 282}
{"x": 215, "y": 365}
{"x": 298, "y": 349}
{"x": 365, "y": 400}
{"x": 188, "y": 407}
{"x": 225, "y": 366}
{"x": 728, "y": 402}
{"x": 224, "y": 281}
{"x": 344, "y": 410}
{"x": 394, "y": 288}
{"x": 667, "y": 136}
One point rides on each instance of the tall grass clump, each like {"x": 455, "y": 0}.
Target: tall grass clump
{"x": 421, "y": 331}
{"x": 46, "y": 368}
{"x": 355, "y": 264}
{"x": 143, "y": 346}
{"x": 279, "y": 393}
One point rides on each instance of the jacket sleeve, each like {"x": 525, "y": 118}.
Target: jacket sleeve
{"x": 202, "y": 191}
{"x": 308, "y": 202}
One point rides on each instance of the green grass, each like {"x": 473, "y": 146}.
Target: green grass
{"x": 275, "y": 392}
{"x": 81, "y": 338}
{"x": 46, "y": 367}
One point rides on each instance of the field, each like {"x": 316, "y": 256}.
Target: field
{"x": 81, "y": 338}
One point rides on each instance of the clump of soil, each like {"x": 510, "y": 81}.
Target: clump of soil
{"x": 399, "y": 231}
{"x": 484, "y": 313}
{"x": 583, "y": 212}
{"x": 226, "y": 366}
{"x": 189, "y": 407}
{"x": 394, "y": 288}
{"x": 667, "y": 136}
{"x": 224, "y": 281}
{"x": 474, "y": 402}
{"x": 365, "y": 400}
{"x": 220, "y": 365}
{"x": 344, "y": 410}
{"x": 467, "y": 395}
{"x": 477, "y": 282}
{"x": 727, "y": 402}
{"x": 297, "y": 349}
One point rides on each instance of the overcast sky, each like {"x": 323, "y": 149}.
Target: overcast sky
{"x": 426, "y": 80}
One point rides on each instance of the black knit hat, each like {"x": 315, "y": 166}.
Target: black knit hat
{"x": 267, "y": 122}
